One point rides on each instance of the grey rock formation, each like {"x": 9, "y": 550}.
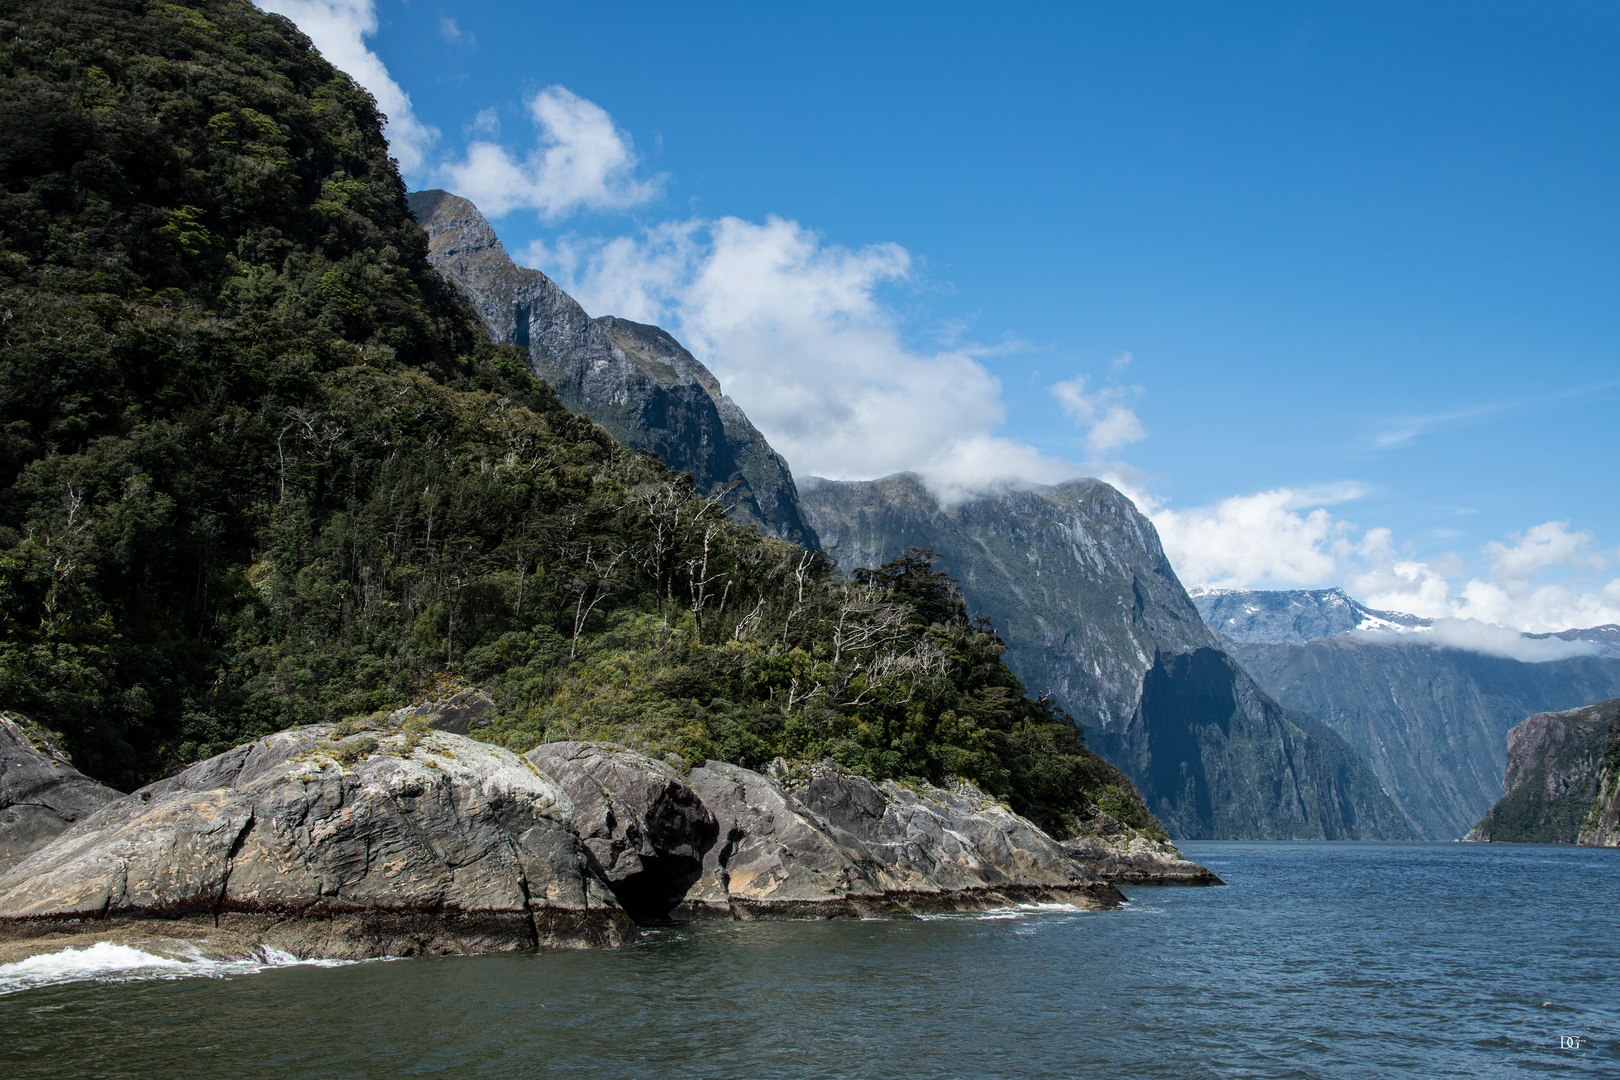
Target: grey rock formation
{"x": 635, "y": 380}
{"x": 1605, "y": 637}
{"x": 1076, "y": 582}
{"x": 818, "y": 842}
{"x": 1124, "y": 856}
{"x": 41, "y": 793}
{"x": 330, "y": 841}
{"x": 1432, "y": 723}
{"x": 825, "y": 843}
{"x": 1290, "y": 615}
{"x": 1072, "y": 576}
{"x": 644, "y": 829}
{"x": 461, "y": 713}
{"x": 1552, "y": 776}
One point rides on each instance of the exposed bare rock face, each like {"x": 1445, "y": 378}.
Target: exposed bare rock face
{"x": 460, "y": 713}
{"x": 334, "y": 841}
{"x": 1126, "y": 856}
{"x": 41, "y": 793}
{"x": 813, "y": 842}
{"x": 1559, "y": 779}
{"x": 644, "y": 830}
{"x": 635, "y": 380}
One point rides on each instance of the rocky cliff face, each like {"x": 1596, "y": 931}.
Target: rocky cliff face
{"x": 1432, "y": 723}
{"x": 1074, "y": 578}
{"x": 1552, "y": 777}
{"x": 328, "y": 841}
{"x": 635, "y": 380}
{"x": 41, "y": 793}
{"x": 1602, "y": 825}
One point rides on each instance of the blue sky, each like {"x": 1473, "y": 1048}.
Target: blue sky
{"x": 1330, "y": 289}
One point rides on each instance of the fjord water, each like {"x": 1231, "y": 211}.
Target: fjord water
{"x": 1316, "y": 960}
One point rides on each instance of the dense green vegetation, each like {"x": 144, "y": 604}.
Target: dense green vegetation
{"x": 260, "y": 466}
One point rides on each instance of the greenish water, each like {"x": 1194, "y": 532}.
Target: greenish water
{"x": 1317, "y": 960}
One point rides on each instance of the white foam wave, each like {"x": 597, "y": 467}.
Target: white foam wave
{"x": 106, "y": 961}
{"x": 1015, "y": 911}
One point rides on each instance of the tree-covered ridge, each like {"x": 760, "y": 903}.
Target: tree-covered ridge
{"x": 199, "y": 225}
{"x": 262, "y": 467}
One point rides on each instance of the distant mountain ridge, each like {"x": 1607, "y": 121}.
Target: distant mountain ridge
{"x": 635, "y": 380}
{"x": 1074, "y": 578}
{"x": 1291, "y": 615}
{"x": 1431, "y": 722}
{"x": 1297, "y": 616}
{"x": 1429, "y": 715}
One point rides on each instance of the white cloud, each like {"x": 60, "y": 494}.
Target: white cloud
{"x": 1288, "y": 537}
{"x": 1251, "y": 540}
{"x": 579, "y": 162}
{"x": 1109, "y": 423}
{"x": 339, "y": 29}
{"x": 798, "y": 333}
{"x": 454, "y": 34}
{"x": 1471, "y": 635}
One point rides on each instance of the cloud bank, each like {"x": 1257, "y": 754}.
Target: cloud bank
{"x": 1471, "y": 635}
{"x": 1545, "y": 579}
{"x": 338, "y": 29}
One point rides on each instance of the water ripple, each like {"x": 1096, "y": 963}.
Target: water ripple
{"x": 1316, "y": 961}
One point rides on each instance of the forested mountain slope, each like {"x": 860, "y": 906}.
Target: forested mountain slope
{"x": 262, "y": 466}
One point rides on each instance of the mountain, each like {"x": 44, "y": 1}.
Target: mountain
{"x": 1291, "y": 615}
{"x": 635, "y": 380}
{"x": 261, "y": 465}
{"x": 1432, "y": 722}
{"x": 1075, "y": 580}
{"x": 1552, "y": 779}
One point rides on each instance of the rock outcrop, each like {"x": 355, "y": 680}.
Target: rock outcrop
{"x": 824, "y": 843}
{"x": 1553, "y": 778}
{"x": 635, "y": 380}
{"x": 644, "y": 829}
{"x": 1077, "y": 584}
{"x": 819, "y": 842}
{"x": 41, "y": 793}
{"x": 1122, "y": 855}
{"x": 335, "y": 841}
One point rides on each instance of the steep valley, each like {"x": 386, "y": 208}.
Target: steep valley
{"x": 1432, "y": 722}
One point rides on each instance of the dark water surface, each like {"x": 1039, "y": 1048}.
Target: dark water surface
{"x": 1316, "y": 960}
